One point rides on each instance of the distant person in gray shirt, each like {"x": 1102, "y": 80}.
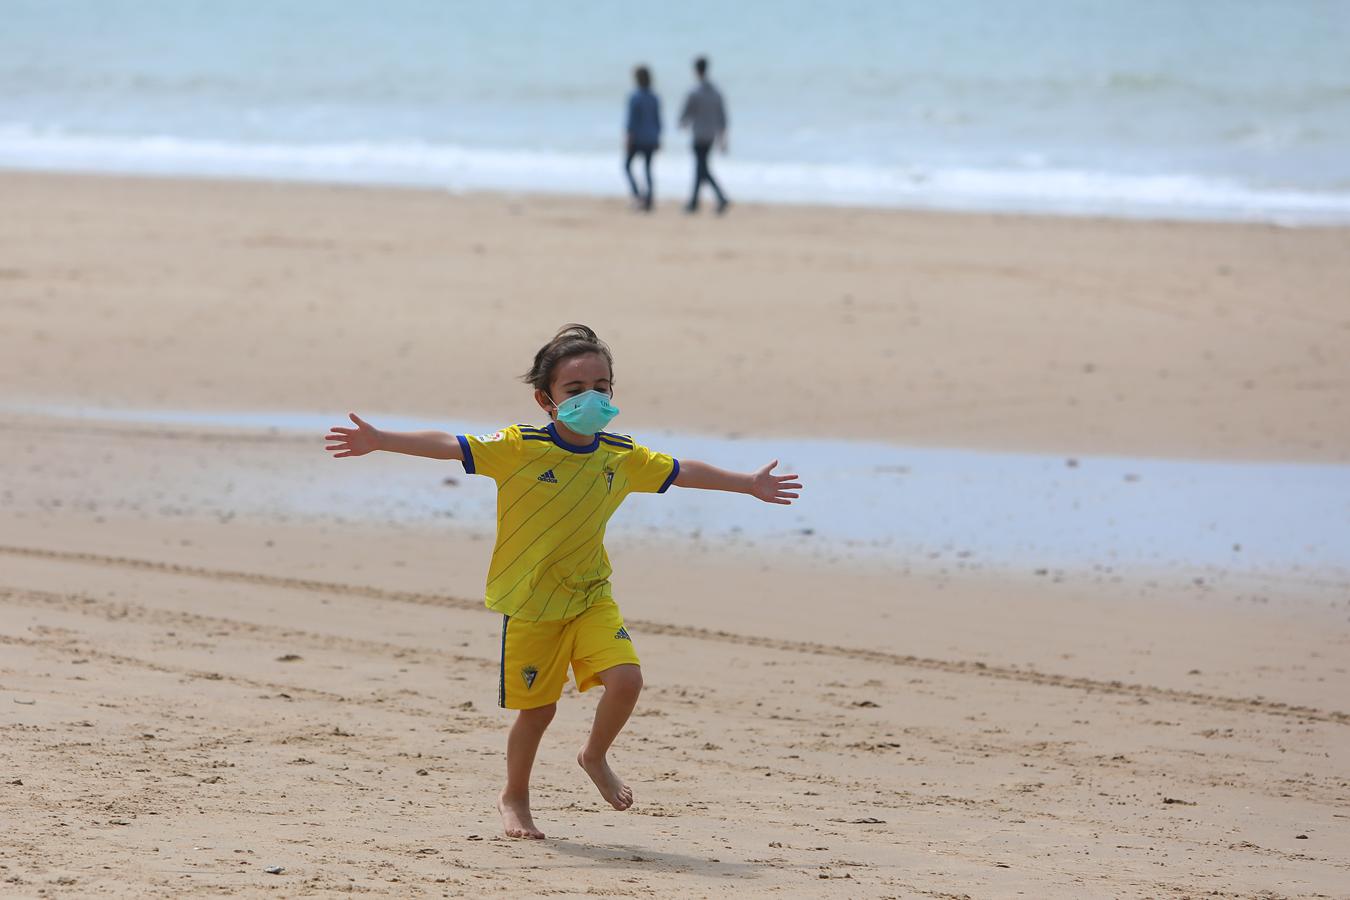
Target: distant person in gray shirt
{"x": 643, "y": 129}
{"x": 705, "y": 114}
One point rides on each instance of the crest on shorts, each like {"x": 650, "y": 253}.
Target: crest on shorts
{"x": 622, "y": 635}
{"x": 529, "y": 673}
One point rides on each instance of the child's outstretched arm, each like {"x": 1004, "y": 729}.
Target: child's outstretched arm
{"x": 763, "y": 483}
{"x": 364, "y": 438}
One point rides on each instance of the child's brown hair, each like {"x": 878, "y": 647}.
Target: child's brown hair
{"x": 571, "y": 340}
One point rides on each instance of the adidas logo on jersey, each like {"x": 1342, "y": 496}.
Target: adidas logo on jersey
{"x": 548, "y": 477}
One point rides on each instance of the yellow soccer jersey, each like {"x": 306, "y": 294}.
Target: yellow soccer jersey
{"x": 553, "y": 500}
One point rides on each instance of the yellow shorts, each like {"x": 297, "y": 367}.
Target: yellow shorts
{"x": 535, "y": 655}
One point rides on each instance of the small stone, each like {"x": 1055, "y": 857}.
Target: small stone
{"x": 423, "y": 772}
{"x": 289, "y": 657}
{"x": 274, "y": 870}
{"x": 1300, "y": 837}
{"x": 475, "y": 837}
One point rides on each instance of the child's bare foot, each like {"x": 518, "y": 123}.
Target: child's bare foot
{"x": 611, "y": 786}
{"x": 516, "y": 820}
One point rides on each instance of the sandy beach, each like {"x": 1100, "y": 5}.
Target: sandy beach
{"x": 193, "y": 691}
{"x": 1059, "y": 334}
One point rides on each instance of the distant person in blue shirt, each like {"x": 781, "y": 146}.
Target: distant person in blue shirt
{"x": 644, "y": 134}
{"x": 705, "y": 114}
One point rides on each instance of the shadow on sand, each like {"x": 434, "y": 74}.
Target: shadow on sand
{"x": 626, "y": 856}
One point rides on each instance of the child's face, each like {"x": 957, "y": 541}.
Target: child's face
{"x": 575, "y": 375}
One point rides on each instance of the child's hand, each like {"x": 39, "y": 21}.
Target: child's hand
{"x": 773, "y": 488}
{"x": 356, "y": 441}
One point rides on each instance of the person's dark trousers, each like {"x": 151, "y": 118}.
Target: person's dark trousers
{"x": 645, "y": 198}
{"x": 702, "y": 174}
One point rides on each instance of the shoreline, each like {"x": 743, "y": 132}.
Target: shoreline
{"x": 672, "y": 202}
{"x": 1056, "y": 194}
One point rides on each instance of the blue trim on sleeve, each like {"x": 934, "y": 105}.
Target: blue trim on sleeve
{"x": 675, "y": 470}
{"x": 468, "y": 454}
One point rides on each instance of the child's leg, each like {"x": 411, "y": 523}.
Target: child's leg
{"x": 521, "y": 746}
{"x": 622, "y": 684}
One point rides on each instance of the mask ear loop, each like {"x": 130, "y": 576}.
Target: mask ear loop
{"x": 552, "y": 414}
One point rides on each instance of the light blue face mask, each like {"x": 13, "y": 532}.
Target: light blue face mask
{"x": 587, "y": 412}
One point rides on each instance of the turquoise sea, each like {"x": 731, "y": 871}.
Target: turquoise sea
{"x": 1157, "y": 108}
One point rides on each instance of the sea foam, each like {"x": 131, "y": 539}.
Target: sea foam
{"x": 1032, "y": 187}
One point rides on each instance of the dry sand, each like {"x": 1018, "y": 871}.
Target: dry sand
{"x": 189, "y": 695}
{"x": 1066, "y": 335}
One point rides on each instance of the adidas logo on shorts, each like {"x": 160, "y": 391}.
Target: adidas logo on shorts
{"x": 548, "y": 477}
{"x": 622, "y": 635}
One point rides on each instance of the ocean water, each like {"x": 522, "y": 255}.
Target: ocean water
{"x": 1156, "y": 108}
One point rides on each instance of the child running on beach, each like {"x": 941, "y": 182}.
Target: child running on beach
{"x": 557, "y": 486}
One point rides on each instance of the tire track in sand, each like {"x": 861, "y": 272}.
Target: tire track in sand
{"x": 880, "y": 657}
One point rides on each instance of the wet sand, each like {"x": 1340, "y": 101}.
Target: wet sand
{"x": 194, "y": 689}
{"x": 189, "y": 706}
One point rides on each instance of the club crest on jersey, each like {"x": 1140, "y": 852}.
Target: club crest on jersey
{"x": 622, "y": 635}
{"x": 529, "y": 673}
{"x": 609, "y": 480}
{"x": 489, "y": 438}
{"x": 548, "y": 477}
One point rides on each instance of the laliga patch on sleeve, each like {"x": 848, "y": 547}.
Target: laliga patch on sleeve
{"x": 489, "y": 438}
